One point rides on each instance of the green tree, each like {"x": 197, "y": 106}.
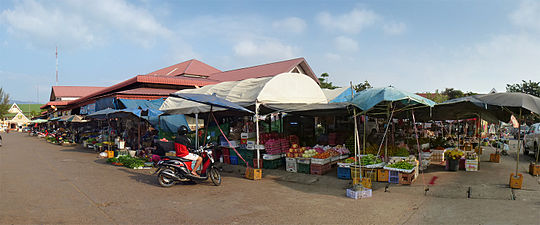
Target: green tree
{"x": 437, "y": 96}
{"x": 362, "y": 86}
{"x": 325, "y": 83}
{"x": 4, "y": 103}
{"x": 528, "y": 87}
{"x": 453, "y": 93}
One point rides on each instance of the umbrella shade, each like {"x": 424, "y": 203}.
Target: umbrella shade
{"x": 514, "y": 101}
{"x": 370, "y": 98}
{"x": 212, "y": 100}
{"x": 38, "y": 121}
{"x": 75, "y": 119}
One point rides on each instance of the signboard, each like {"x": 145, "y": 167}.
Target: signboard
{"x": 91, "y": 108}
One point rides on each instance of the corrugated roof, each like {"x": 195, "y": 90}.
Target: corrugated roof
{"x": 190, "y": 67}
{"x": 265, "y": 70}
{"x": 55, "y": 103}
{"x": 149, "y": 79}
{"x": 72, "y": 91}
{"x": 148, "y": 91}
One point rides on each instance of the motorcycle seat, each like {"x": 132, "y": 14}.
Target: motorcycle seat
{"x": 176, "y": 158}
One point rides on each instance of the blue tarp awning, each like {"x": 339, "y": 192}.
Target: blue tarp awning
{"x": 167, "y": 123}
{"x": 367, "y": 99}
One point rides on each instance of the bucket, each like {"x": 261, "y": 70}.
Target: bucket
{"x": 132, "y": 153}
{"x": 453, "y": 164}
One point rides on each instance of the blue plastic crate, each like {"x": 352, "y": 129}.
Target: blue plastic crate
{"x": 393, "y": 177}
{"x": 344, "y": 173}
{"x": 234, "y": 160}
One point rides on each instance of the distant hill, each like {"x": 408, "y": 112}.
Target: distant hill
{"x": 24, "y": 102}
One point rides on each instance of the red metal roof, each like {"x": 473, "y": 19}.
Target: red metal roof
{"x": 149, "y": 79}
{"x": 148, "y": 91}
{"x": 55, "y": 103}
{"x": 190, "y": 67}
{"x": 265, "y": 70}
{"x": 72, "y": 91}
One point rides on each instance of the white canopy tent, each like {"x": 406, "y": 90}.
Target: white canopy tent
{"x": 285, "y": 88}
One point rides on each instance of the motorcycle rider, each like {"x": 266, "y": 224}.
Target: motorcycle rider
{"x": 182, "y": 144}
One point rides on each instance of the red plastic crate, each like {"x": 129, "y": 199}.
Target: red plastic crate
{"x": 226, "y": 159}
{"x": 225, "y": 151}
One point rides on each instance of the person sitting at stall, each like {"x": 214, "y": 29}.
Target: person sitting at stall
{"x": 182, "y": 144}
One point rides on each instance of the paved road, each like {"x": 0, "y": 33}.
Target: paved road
{"x": 41, "y": 183}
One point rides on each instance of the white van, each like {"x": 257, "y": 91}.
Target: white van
{"x": 532, "y": 139}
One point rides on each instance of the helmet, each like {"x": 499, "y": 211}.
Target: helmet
{"x": 182, "y": 130}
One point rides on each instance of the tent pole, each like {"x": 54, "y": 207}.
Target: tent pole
{"x": 519, "y": 142}
{"x": 386, "y": 139}
{"x": 257, "y": 128}
{"x": 356, "y": 145}
{"x": 364, "y": 139}
{"x": 197, "y": 130}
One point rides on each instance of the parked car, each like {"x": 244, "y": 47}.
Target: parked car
{"x": 532, "y": 139}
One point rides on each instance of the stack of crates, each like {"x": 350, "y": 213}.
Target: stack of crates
{"x": 226, "y": 155}
{"x": 320, "y": 169}
{"x": 382, "y": 175}
{"x": 248, "y": 155}
{"x": 393, "y": 177}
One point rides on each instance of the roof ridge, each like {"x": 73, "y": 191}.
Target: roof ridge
{"x": 302, "y": 58}
{"x": 187, "y": 67}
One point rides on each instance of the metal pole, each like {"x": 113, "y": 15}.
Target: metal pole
{"x": 364, "y": 139}
{"x": 519, "y": 142}
{"x": 257, "y": 128}
{"x": 356, "y": 146}
{"x": 197, "y": 130}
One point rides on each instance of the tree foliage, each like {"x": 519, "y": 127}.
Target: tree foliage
{"x": 437, "y": 96}
{"x": 362, "y": 86}
{"x": 528, "y": 87}
{"x": 4, "y": 103}
{"x": 325, "y": 82}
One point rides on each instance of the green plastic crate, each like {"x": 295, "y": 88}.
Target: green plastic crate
{"x": 303, "y": 168}
{"x": 272, "y": 164}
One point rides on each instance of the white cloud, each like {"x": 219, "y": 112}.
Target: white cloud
{"x": 291, "y": 25}
{"x": 352, "y": 22}
{"x": 345, "y": 44}
{"x": 268, "y": 49}
{"x": 82, "y": 23}
{"x": 527, "y": 15}
{"x": 332, "y": 56}
{"x": 394, "y": 28}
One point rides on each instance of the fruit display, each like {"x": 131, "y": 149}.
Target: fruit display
{"x": 296, "y": 151}
{"x": 323, "y": 155}
{"x": 349, "y": 160}
{"x": 370, "y": 159}
{"x": 471, "y": 156}
{"x": 309, "y": 153}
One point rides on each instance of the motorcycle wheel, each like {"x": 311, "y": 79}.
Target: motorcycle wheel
{"x": 164, "y": 181}
{"x": 215, "y": 176}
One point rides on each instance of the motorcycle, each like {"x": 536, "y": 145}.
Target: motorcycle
{"x": 171, "y": 169}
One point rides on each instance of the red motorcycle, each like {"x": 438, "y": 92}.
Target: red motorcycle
{"x": 171, "y": 169}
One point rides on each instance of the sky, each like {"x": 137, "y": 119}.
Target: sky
{"x": 418, "y": 46}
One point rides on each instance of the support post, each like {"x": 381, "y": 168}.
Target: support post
{"x": 257, "y": 104}
{"x": 519, "y": 142}
{"x": 196, "y": 130}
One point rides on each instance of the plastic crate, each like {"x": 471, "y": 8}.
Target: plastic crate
{"x": 356, "y": 194}
{"x": 370, "y": 173}
{"x": 317, "y": 169}
{"x": 355, "y": 172}
{"x": 471, "y": 165}
{"x": 291, "y": 165}
{"x": 234, "y": 160}
{"x": 226, "y": 159}
{"x": 225, "y": 151}
{"x": 272, "y": 164}
{"x": 407, "y": 178}
{"x": 393, "y": 177}
{"x": 303, "y": 168}
{"x": 382, "y": 175}
{"x": 344, "y": 173}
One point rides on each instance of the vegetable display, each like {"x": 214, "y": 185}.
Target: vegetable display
{"x": 402, "y": 165}
{"x": 370, "y": 159}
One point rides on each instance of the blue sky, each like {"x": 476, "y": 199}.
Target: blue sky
{"x": 417, "y": 46}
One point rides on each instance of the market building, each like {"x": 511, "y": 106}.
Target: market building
{"x": 62, "y": 95}
{"x": 19, "y": 115}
